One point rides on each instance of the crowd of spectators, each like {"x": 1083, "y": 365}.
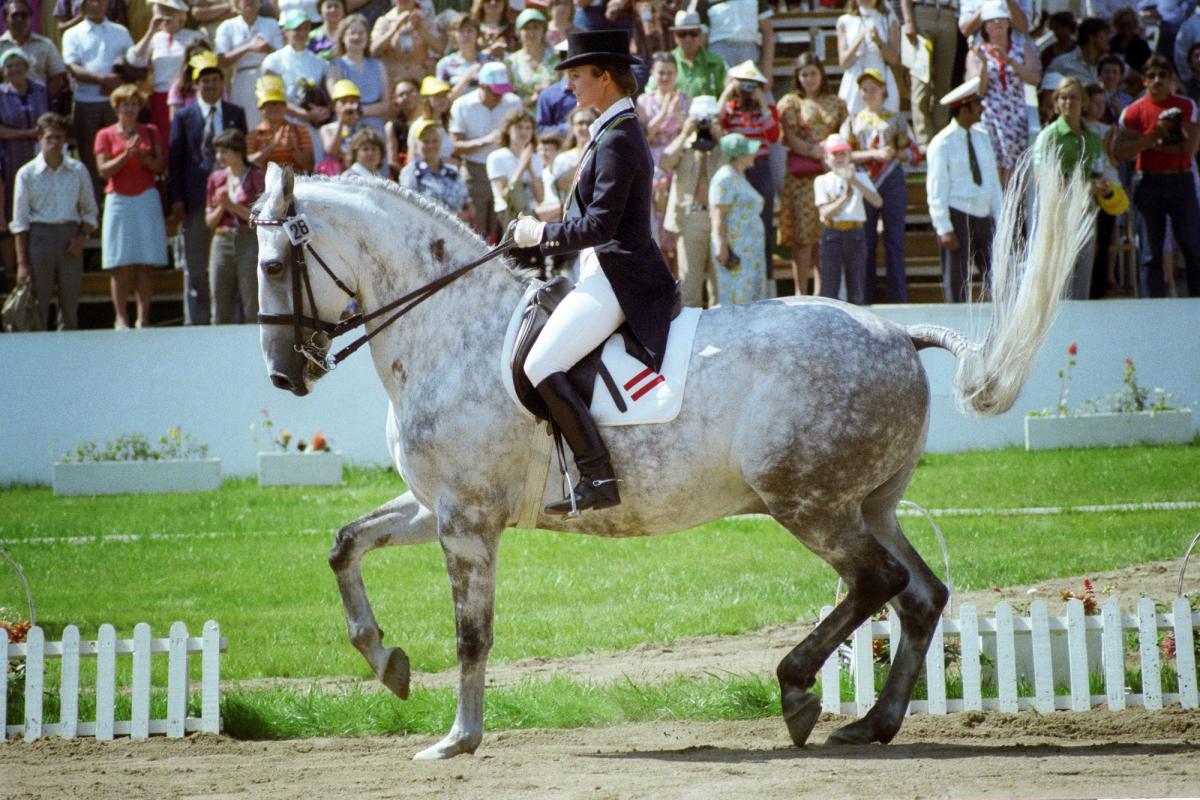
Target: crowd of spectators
{"x": 462, "y": 104}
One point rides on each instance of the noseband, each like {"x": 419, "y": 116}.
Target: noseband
{"x": 316, "y": 347}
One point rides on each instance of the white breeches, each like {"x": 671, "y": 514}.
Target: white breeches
{"x": 582, "y": 322}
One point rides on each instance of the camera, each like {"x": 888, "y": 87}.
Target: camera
{"x": 704, "y": 139}
{"x": 748, "y": 87}
{"x": 1174, "y": 119}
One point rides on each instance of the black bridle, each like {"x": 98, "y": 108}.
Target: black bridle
{"x": 316, "y": 347}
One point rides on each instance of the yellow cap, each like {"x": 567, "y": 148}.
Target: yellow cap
{"x": 202, "y": 61}
{"x": 345, "y": 88}
{"x": 423, "y": 125}
{"x": 269, "y": 89}
{"x": 874, "y": 74}
{"x": 432, "y": 85}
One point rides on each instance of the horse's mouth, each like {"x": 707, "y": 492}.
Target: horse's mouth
{"x": 299, "y": 388}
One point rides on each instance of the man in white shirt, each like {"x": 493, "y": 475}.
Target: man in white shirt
{"x": 242, "y": 43}
{"x": 475, "y": 122}
{"x": 963, "y": 191}
{"x": 89, "y": 50}
{"x": 54, "y": 211}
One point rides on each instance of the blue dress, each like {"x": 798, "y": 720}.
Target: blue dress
{"x": 744, "y": 234}
{"x": 370, "y": 87}
{"x": 19, "y": 112}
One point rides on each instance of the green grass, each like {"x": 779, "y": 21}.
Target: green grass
{"x": 264, "y": 576}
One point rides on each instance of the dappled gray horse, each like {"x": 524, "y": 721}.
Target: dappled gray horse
{"x": 810, "y": 410}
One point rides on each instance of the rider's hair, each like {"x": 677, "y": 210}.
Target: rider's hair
{"x": 620, "y": 73}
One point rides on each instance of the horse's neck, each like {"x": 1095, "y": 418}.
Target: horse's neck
{"x": 463, "y": 324}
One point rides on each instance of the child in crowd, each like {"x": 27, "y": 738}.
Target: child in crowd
{"x": 549, "y": 144}
{"x": 839, "y": 195}
{"x": 233, "y": 254}
{"x": 1111, "y": 69}
{"x": 366, "y": 154}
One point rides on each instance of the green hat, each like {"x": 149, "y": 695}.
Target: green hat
{"x": 735, "y": 144}
{"x": 530, "y": 15}
{"x": 293, "y": 18}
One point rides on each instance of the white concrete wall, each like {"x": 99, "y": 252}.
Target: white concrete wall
{"x": 59, "y": 388}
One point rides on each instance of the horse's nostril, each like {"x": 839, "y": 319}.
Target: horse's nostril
{"x": 281, "y": 381}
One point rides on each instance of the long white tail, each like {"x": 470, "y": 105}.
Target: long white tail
{"x": 1029, "y": 277}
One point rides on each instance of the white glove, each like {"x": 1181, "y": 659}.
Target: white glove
{"x": 528, "y": 232}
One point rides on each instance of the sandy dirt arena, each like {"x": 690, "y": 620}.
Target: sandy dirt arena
{"x": 1095, "y": 754}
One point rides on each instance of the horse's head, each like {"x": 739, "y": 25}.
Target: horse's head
{"x": 299, "y": 301}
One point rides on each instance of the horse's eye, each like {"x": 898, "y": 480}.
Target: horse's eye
{"x": 273, "y": 268}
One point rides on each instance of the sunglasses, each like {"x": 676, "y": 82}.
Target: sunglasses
{"x": 687, "y": 34}
{"x": 19, "y": 15}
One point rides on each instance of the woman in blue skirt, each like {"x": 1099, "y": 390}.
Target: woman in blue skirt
{"x": 133, "y": 237}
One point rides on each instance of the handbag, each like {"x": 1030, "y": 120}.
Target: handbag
{"x": 20, "y": 311}
{"x": 802, "y": 166}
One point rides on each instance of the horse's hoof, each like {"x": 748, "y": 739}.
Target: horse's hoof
{"x": 447, "y": 748}
{"x": 856, "y": 733}
{"x": 800, "y": 712}
{"x": 396, "y": 673}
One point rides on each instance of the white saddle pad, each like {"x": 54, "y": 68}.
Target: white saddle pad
{"x": 649, "y": 396}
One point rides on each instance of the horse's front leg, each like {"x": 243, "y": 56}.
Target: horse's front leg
{"x": 400, "y": 521}
{"x": 470, "y": 544}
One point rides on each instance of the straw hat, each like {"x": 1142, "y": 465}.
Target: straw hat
{"x": 747, "y": 71}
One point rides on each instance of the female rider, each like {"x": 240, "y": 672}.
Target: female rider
{"x": 623, "y": 276}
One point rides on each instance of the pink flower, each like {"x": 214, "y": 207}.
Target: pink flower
{"x": 1072, "y": 350}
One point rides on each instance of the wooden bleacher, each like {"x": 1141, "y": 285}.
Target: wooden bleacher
{"x": 798, "y": 32}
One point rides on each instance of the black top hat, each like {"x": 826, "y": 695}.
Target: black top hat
{"x": 596, "y": 47}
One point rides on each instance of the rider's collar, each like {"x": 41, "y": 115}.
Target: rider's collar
{"x": 624, "y": 104}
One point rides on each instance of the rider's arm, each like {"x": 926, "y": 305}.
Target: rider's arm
{"x": 609, "y": 196}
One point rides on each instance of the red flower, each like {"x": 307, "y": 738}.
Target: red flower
{"x": 1072, "y": 350}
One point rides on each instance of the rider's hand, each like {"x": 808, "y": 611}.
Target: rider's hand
{"x": 528, "y": 232}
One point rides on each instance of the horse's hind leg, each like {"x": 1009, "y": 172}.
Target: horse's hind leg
{"x": 471, "y": 544}
{"x": 872, "y": 577}
{"x": 400, "y": 521}
{"x": 919, "y": 606}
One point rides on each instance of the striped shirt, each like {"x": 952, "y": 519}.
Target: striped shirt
{"x": 295, "y": 142}
{"x": 757, "y": 124}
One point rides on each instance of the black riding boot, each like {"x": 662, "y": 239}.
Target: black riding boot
{"x": 597, "y": 487}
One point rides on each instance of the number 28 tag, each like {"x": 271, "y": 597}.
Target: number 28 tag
{"x": 298, "y": 229}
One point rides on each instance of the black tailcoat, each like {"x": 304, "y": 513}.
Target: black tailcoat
{"x": 610, "y": 210}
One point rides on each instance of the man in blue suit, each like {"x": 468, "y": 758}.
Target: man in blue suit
{"x": 623, "y": 277}
{"x": 191, "y": 160}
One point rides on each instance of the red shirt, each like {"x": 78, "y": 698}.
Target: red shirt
{"x": 1141, "y": 116}
{"x": 133, "y": 178}
{"x": 253, "y": 184}
{"x": 756, "y": 124}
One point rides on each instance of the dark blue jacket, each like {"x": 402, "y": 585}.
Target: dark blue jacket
{"x": 188, "y": 169}
{"x": 611, "y": 211}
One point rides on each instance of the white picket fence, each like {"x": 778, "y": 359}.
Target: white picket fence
{"x": 36, "y": 650}
{"x": 1014, "y": 639}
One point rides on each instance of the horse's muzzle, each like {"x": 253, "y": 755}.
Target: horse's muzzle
{"x": 281, "y": 381}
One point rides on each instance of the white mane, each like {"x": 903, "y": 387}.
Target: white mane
{"x": 422, "y": 206}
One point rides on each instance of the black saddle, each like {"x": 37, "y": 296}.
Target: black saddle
{"x": 583, "y": 375}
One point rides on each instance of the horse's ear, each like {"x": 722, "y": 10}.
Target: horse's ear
{"x": 289, "y": 181}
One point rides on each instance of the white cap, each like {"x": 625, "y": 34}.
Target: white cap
{"x": 994, "y": 9}
{"x": 962, "y": 93}
{"x": 702, "y": 106}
